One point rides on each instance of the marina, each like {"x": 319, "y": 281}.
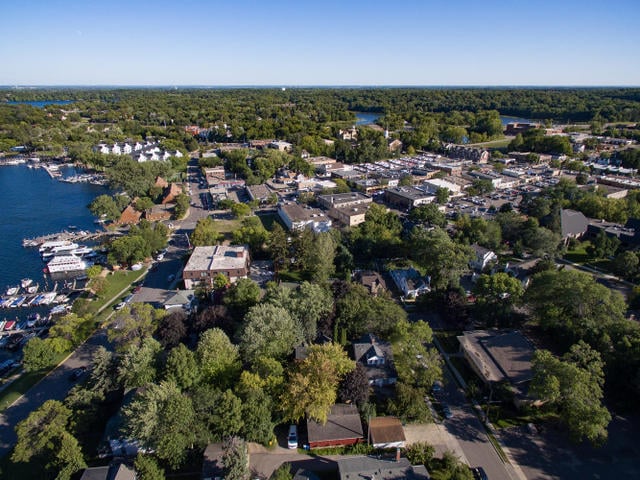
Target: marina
{"x": 69, "y": 236}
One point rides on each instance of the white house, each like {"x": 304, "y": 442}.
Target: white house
{"x": 410, "y": 282}
{"x": 484, "y": 257}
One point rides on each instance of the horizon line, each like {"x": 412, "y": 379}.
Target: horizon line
{"x": 294, "y": 86}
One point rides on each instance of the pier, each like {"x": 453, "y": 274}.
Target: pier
{"x": 79, "y": 236}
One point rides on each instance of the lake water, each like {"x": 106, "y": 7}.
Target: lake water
{"x": 34, "y": 204}
{"x": 506, "y": 119}
{"x": 366, "y": 118}
{"x": 42, "y": 103}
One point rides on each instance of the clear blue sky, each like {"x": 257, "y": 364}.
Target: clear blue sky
{"x": 285, "y": 42}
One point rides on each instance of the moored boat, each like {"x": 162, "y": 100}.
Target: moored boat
{"x": 12, "y": 290}
{"x": 66, "y": 263}
{"x": 18, "y": 301}
{"x": 25, "y": 282}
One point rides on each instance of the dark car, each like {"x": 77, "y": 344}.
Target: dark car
{"x": 479, "y": 473}
{"x": 447, "y": 411}
{"x": 77, "y": 373}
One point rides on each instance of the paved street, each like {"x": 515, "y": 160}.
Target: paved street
{"x": 55, "y": 386}
{"x": 471, "y": 435}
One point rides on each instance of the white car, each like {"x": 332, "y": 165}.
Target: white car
{"x": 292, "y": 439}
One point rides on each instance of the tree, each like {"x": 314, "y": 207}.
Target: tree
{"x": 215, "y": 316}
{"x": 268, "y": 330}
{"x": 256, "y": 415}
{"x": 44, "y": 438}
{"x": 133, "y": 324}
{"x": 235, "y": 459}
{"x": 574, "y": 386}
{"x": 105, "y": 205}
{"x": 138, "y": 364}
{"x": 320, "y": 258}
{"x": 625, "y": 264}
{"x": 496, "y": 294}
{"x": 220, "y": 414}
{"x": 442, "y": 195}
{"x": 443, "y": 259}
{"x": 175, "y": 434}
{"x": 37, "y": 354}
{"x": 240, "y": 210}
{"x": 172, "y": 329}
{"x": 218, "y": 358}
{"x": 420, "y": 453}
{"x": 416, "y": 364}
{"x": 205, "y": 233}
{"x": 182, "y": 202}
{"x": 277, "y": 246}
{"x": 409, "y": 404}
{"x": 355, "y": 386}
{"x": 182, "y": 367}
{"x": 283, "y": 472}
{"x": 147, "y": 468}
{"x": 313, "y": 385}
{"x": 242, "y": 295}
{"x": 143, "y": 203}
{"x": 103, "y": 376}
{"x": 603, "y": 245}
{"x": 428, "y": 214}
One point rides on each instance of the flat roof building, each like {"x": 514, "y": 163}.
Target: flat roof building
{"x": 338, "y": 200}
{"x": 407, "y": 197}
{"x": 297, "y": 217}
{"x": 206, "y": 263}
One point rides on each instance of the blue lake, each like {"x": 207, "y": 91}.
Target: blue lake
{"x": 366, "y": 118}
{"x": 42, "y": 103}
{"x": 34, "y": 204}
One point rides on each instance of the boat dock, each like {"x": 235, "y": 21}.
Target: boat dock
{"x": 79, "y": 236}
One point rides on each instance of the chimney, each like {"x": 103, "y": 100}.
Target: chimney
{"x": 397, "y": 454}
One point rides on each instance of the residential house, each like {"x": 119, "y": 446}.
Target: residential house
{"x": 343, "y": 428}
{"x": 297, "y": 217}
{"x": 129, "y": 216}
{"x": 410, "y": 282}
{"x": 372, "y": 281}
{"x": 395, "y": 145}
{"x": 573, "y": 224}
{"x": 115, "y": 471}
{"x": 183, "y": 299}
{"x": 483, "y": 257}
{"x": 161, "y": 182}
{"x": 171, "y": 193}
{"x": 159, "y": 213}
{"x": 499, "y": 356}
{"x": 377, "y": 358}
{"x": 349, "y": 133}
{"x": 205, "y": 263}
{"x": 281, "y": 145}
{"x": 372, "y": 468}
{"x": 386, "y": 432}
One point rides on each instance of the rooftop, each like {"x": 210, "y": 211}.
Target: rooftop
{"x": 218, "y": 257}
{"x": 342, "y": 423}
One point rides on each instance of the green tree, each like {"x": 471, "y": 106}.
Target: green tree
{"x": 143, "y": 203}
{"x": 268, "y": 330}
{"x": 496, "y": 295}
{"x": 175, "y": 433}
{"x": 313, "y": 385}
{"x": 242, "y": 295}
{"x": 205, "y": 233}
{"x": 277, "y": 246}
{"x": 131, "y": 325}
{"x": 416, "y": 364}
{"x": 428, "y": 214}
{"x": 218, "y": 358}
{"x": 147, "y": 468}
{"x": 355, "y": 388}
{"x": 105, "y": 205}
{"x": 182, "y": 202}
{"x": 240, "y": 210}
{"x": 442, "y": 195}
{"x": 574, "y": 386}
{"x": 37, "y": 354}
{"x": 235, "y": 459}
{"x": 443, "y": 259}
{"x": 138, "y": 364}
{"x": 44, "y": 439}
{"x": 182, "y": 367}
{"x": 625, "y": 264}
{"x": 420, "y": 453}
{"x": 409, "y": 404}
{"x": 283, "y": 472}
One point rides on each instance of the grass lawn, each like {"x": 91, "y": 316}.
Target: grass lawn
{"x": 499, "y": 143}
{"x": 23, "y": 383}
{"x": 290, "y": 276}
{"x": 116, "y": 282}
{"x": 579, "y": 253}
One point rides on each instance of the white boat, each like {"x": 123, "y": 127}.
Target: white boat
{"x": 82, "y": 250}
{"x": 33, "y": 288}
{"x": 58, "y": 309}
{"x": 65, "y": 248}
{"x": 66, "y": 263}
{"x": 25, "y": 282}
{"x": 18, "y": 301}
{"x": 47, "y": 298}
{"x": 12, "y": 290}
{"x": 46, "y": 246}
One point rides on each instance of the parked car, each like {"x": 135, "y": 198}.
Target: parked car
{"x": 77, "y": 373}
{"x": 292, "y": 438}
{"x": 447, "y": 411}
{"x": 479, "y": 473}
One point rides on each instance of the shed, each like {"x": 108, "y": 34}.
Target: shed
{"x": 343, "y": 427}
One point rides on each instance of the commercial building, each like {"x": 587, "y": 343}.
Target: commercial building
{"x": 407, "y": 197}
{"x": 297, "y": 217}
{"x": 206, "y": 263}
{"x": 338, "y": 200}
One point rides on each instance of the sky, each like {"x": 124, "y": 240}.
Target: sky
{"x": 295, "y": 43}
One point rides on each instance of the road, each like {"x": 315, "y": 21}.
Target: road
{"x": 471, "y": 435}
{"x": 54, "y": 386}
